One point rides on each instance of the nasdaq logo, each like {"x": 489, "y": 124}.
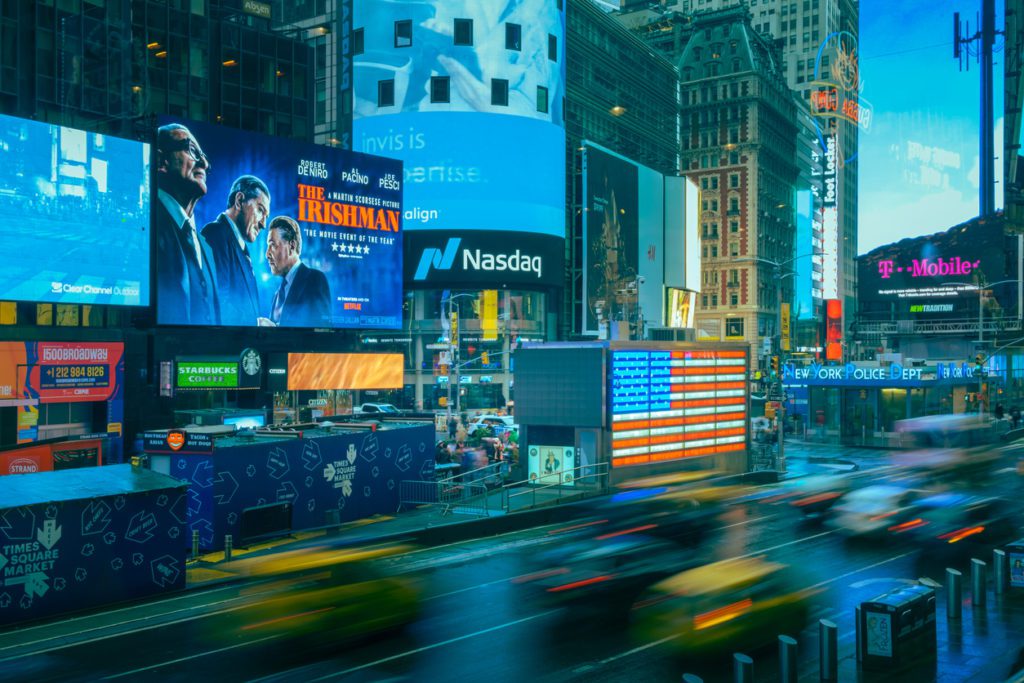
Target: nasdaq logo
{"x": 438, "y": 259}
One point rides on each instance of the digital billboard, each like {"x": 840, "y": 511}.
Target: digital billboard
{"x": 320, "y": 371}
{"x": 669, "y": 405}
{"x": 469, "y": 96}
{"x": 919, "y": 165}
{"x": 938, "y": 275}
{"x": 254, "y": 230}
{"x": 75, "y": 210}
{"x": 611, "y": 238}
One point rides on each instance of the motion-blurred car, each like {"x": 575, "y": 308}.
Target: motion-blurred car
{"x": 949, "y": 448}
{"x": 731, "y": 604}
{"x": 602, "y": 573}
{"x": 958, "y": 524}
{"x": 377, "y": 409}
{"x": 874, "y": 511}
{"x": 815, "y": 495}
{"x": 322, "y": 596}
{"x": 679, "y": 514}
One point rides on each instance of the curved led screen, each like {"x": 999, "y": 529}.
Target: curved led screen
{"x": 75, "y": 210}
{"x": 469, "y": 96}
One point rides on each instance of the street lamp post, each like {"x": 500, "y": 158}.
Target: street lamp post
{"x": 453, "y": 352}
{"x": 777, "y": 382}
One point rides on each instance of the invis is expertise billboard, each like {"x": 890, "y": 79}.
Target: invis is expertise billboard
{"x": 75, "y": 210}
{"x": 254, "y": 230}
{"x": 469, "y": 96}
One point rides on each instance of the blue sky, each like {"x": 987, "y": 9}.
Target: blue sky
{"x": 918, "y": 164}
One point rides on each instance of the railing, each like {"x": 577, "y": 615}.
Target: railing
{"x": 962, "y": 326}
{"x": 490, "y": 475}
{"x": 596, "y": 474}
{"x": 465, "y": 498}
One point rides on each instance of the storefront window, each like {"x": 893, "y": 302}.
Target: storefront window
{"x": 893, "y": 407}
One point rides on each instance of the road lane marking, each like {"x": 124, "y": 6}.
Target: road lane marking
{"x": 782, "y": 545}
{"x": 182, "y": 596}
{"x": 641, "y": 648}
{"x": 863, "y": 569}
{"x": 76, "y": 643}
{"x": 185, "y": 659}
{"x": 402, "y": 655}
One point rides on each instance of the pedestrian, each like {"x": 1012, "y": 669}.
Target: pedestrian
{"x": 460, "y": 432}
{"x": 1015, "y": 416}
{"x": 453, "y": 421}
{"x": 999, "y": 411}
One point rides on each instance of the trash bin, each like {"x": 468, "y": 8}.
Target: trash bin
{"x": 897, "y": 627}
{"x": 1015, "y": 558}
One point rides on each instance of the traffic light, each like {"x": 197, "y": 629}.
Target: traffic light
{"x": 775, "y": 366}
{"x": 485, "y": 359}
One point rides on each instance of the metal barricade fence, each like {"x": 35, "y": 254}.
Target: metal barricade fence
{"x": 584, "y": 479}
{"x": 467, "y": 498}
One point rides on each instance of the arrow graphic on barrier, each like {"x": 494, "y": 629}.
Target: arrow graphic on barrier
{"x": 49, "y": 534}
{"x": 329, "y": 472}
{"x": 203, "y": 475}
{"x": 141, "y": 526}
{"x": 287, "y": 492}
{"x": 35, "y": 583}
{"x": 95, "y": 517}
{"x": 404, "y": 459}
{"x": 311, "y": 456}
{"x": 164, "y": 570}
{"x": 277, "y": 463}
{"x": 179, "y": 509}
{"x": 224, "y": 497}
{"x": 18, "y": 524}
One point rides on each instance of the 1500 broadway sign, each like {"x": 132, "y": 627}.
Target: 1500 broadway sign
{"x": 852, "y": 375}
{"x": 485, "y": 258}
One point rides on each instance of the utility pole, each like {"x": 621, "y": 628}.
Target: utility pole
{"x": 986, "y": 38}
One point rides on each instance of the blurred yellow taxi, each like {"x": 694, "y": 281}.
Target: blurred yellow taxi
{"x": 730, "y": 604}
{"x": 320, "y": 595}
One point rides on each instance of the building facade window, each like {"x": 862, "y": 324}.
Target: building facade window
{"x": 463, "y": 31}
{"x": 542, "y": 99}
{"x": 552, "y": 48}
{"x": 440, "y": 89}
{"x": 403, "y": 33}
{"x": 386, "y": 93}
{"x": 513, "y": 37}
{"x": 358, "y": 42}
{"x": 499, "y": 92}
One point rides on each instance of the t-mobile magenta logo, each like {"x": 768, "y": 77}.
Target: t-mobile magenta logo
{"x": 928, "y": 267}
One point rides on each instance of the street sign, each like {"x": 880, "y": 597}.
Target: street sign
{"x": 438, "y": 347}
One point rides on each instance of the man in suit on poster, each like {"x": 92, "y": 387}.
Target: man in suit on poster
{"x": 230, "y": 238}
{"x": 186, "y": 275}
{"x": 304, "y": 297}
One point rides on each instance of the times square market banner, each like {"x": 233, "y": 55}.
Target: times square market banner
{"x": 290, "y": 234}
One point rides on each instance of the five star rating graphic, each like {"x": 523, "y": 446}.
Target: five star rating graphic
{"x": 350, "y": 249}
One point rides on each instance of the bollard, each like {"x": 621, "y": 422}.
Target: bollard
{"x": 828, "y": 650}
{"x": 954, "y": 587}
{"x": 787, "y": 659}
{"x": 692, "y": 678}
{"x": 195, "y": 544}
{"x": 1000, "y": 565}
{"x": 978, "y": 582}
{"x": 742, "y": 668}
{"x": 228, "y": 547}
{"x": 856, "y": 628}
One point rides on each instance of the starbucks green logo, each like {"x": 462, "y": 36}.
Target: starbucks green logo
{"x": 251, "y": 362}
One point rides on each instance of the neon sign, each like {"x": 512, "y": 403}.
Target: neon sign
{"x": 836, "y": 94}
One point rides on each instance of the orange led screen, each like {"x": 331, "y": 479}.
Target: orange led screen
{"x": 315, "y": 371}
